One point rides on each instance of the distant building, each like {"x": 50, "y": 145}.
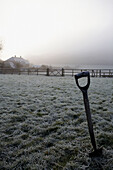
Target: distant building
{"x": 16, "y": 62}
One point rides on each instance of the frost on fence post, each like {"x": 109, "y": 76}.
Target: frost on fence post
{"x": 28, "y": 71}
{"x": 47, "y": 72}
{"x": 37, "y": 71}
{"x": 62, "y": 71}
{"x": 99, "y": 73}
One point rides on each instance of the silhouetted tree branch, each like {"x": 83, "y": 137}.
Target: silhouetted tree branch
{"x": 1, "y": 47}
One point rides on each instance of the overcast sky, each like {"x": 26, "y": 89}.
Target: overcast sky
{"x": 57, "y": 31}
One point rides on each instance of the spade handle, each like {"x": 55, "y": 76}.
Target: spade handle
{"x": 86, "y": 104}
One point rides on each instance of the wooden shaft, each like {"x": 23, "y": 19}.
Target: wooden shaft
{"x": 89, "y": 120}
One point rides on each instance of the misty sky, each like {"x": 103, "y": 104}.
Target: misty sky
{"x": 57, "y": 31}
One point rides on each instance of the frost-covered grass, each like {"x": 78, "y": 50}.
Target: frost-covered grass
{"x": 43, "y": 123}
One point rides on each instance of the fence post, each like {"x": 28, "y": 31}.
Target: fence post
{"x": 47, "y": 72}
{"x": 12, "y": 71}
{"x": 62, "y": 71}
{"x": 37, "y": 71}
{"x": 19, "y": 72}
{"x": 96, "y": 73}
{"x": 72, "y": 72}
{"x": 28, "y": 71}
{"x": 92, "y": 73}
{"x": 110, "y": 73}
{"x": 100, "y": 73}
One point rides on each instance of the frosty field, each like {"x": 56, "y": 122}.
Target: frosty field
{"x": 43, "y": 123}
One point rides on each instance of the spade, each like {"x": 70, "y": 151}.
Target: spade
{"x": 84, "y": 89}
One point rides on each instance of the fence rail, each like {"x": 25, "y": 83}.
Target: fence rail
{"x": 57, "y": 72}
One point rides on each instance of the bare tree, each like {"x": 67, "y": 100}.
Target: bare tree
{"x": 1, "y": 47}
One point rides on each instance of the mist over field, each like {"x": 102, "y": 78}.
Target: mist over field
{"x": 57, "y": 31}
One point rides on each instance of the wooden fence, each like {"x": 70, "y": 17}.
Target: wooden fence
{"x": 57, "y": 72}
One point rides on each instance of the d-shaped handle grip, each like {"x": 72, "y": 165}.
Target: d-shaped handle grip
{"x": 80, "y": 75}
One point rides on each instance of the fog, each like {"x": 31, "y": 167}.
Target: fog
{"x": 58, "y": 31}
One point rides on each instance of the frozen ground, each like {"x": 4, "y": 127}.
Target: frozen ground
{"x": 43, "y": 123}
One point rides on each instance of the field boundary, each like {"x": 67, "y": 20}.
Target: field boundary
{"x": 57, "y": 72}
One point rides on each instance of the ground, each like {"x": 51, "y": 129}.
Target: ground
{"x": 43, "y": 123}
